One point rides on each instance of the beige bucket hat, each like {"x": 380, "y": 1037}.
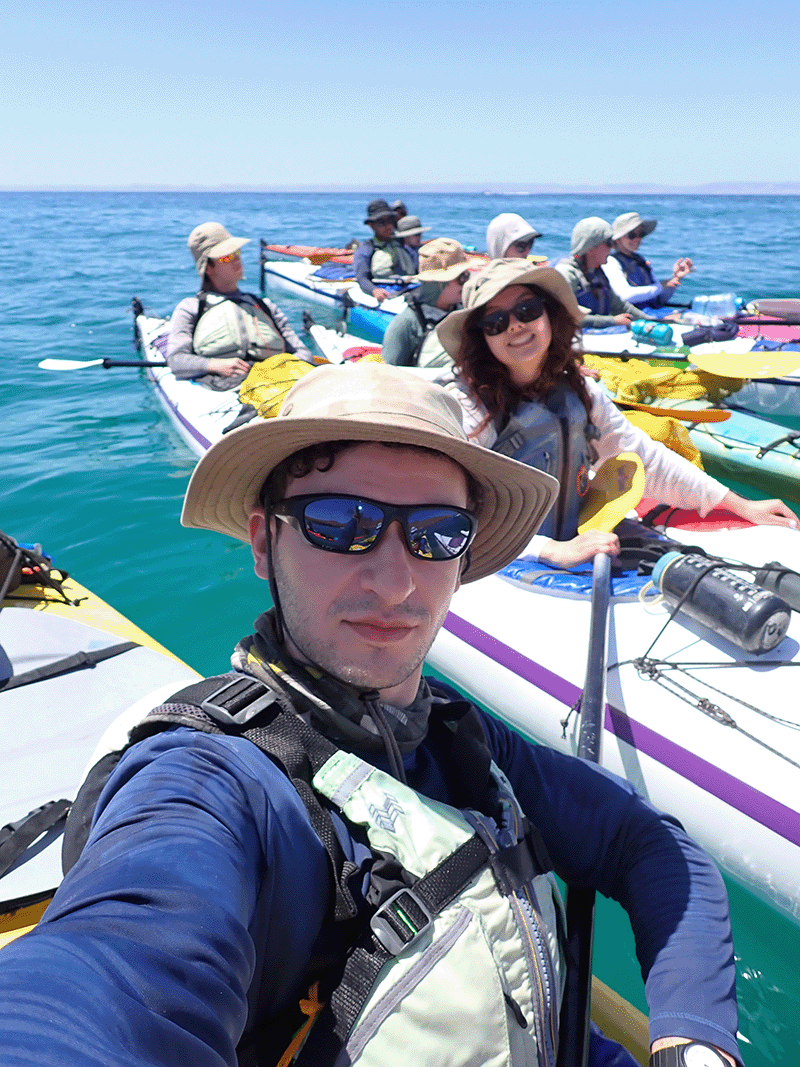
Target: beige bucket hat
{"x": 493, "y": 279}
{"x": 211, "y": 240}
{"x": 631, "y": 220}
{"x": 441, "y": 260}
{"x": 370, "y": 402}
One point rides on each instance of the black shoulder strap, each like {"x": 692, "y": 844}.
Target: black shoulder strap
{"x": 202, "y": 308}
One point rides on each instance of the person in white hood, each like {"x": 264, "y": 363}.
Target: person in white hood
{"x": 509, "y": 236}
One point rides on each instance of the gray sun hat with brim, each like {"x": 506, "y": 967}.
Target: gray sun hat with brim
{"x": 409, "y": 226}
{"x": 589, "y": 233}
{"x": 370, "y": 402}
{"x": 631, "y": 220}
{"x": 498, "y": 275}
{"x": 211, "y": 240}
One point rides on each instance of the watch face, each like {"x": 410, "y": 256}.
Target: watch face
{"x": 703, "y": 1056}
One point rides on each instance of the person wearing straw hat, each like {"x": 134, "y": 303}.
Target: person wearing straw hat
{"x": 590, "y": 247}
{"x": 216, "y": 336}
{"x": 509, "y": 236}
{"x": 410, "y": 339}
{"x": 519, "y": 381}
{"x": 325, "y": 836}
{"x": 409, "y": 231}
{"x": 630, "y": 274}
{"x": 383, "y": 257}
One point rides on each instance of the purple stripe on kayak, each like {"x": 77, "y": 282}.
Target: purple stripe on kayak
{"x": 195, "y": 433}
{"x": 737, "y": 794}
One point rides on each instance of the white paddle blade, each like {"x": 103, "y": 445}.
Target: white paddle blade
{"x": 69, "y": 364}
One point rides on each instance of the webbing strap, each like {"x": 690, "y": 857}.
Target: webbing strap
{"x": 402, "y": 916}
{"x": 15, "y": 837}
{"x": 76, "y": 662}
{"x": 225, "y": 705}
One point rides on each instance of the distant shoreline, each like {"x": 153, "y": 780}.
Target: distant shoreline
{"x": 499, "y": 189}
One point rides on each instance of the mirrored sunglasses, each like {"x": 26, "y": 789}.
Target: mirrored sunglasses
{"x": 636, "y": 235}
{"x": 227, "y": 259}
{"x": 350, "y": 524}
{"x": 527, "y": 310}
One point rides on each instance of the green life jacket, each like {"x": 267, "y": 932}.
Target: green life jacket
{"x": 234, "y": 328}
{"x": 459, "y": 939}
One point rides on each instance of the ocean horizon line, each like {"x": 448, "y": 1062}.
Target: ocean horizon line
{"x": 475, "y": 188}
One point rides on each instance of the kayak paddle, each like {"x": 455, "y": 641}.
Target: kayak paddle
{"x": 747, "y": 364}
{"x": 684, "y": 414}
{"x": 573, "y": 1047}
{"x": 79, "y": 364}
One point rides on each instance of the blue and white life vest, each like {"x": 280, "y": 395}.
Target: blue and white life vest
{"x": 635, "y": 268}
{"x": 554, "y": 435}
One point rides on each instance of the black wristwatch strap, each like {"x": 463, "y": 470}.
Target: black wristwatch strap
{"x": 693, "y": 1054}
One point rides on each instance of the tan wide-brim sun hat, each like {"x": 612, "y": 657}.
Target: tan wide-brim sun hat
{"x": 496, "y": 276}
{"x": 631, "y": 220}
{"x": 441, "y": 260}
{"x": 211, "y": 240}
{"x": 370, "y": 402}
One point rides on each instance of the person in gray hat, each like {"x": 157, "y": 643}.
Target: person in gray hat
{"x": 590, "y": 247}
{"x": 519, "y": 380}
{"x": 630, "y": 274}
{"x": 216, "y": 336}
{"x": 409, "y": 231}
{"x": 383, "y": 256}
{"x": 324, "y": 833}
{"x": 399, "y": 208}
{"x": 410, "y": 339}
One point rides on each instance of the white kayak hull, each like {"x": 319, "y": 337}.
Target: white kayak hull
{"x": 521, "y": 653}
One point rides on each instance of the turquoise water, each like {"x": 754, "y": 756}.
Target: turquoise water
{"x": 93, "y": 470}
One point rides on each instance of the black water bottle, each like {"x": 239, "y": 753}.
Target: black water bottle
{"x": 750, "y": 617}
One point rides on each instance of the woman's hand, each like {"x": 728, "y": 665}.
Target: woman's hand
{"x": 625, "y": 319}
{"x": 761, "y": 512}
{"x": 228, "y": 367}
{"x": 580, "y": 549}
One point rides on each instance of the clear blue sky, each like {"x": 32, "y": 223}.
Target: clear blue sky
{"x": 344, "y": 92}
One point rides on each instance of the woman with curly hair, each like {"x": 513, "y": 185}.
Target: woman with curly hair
{"x": 519, "y": 381}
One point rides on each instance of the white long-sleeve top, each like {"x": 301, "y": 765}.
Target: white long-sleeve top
{"x": 669, "y": 478}
{"x": 634, "y": 294}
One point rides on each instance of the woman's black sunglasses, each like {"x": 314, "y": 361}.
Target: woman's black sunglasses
{"x": 339, "y": 523}
{"x": 527, "y": 310}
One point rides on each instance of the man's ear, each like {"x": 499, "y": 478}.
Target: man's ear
{"x": 258, "y": 542}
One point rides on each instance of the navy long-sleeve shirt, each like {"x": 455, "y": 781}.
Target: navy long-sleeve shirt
{"x": 203, "y": 888}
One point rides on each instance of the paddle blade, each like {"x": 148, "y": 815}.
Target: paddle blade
{"x": 615, "y": 490}
{"x": 747, "y": 364}
{"x": 69, "y": 364}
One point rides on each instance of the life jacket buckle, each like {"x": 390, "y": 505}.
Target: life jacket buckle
{"x": 400, "y": 921}
{"x": 237, "y": 701}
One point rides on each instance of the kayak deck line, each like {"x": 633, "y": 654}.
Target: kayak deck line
{"x": 748, "y": 800}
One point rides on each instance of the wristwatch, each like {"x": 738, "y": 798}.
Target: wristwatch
{"x": 695, "y": 1054}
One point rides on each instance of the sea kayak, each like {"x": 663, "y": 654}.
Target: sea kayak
{"x": 775, "y": 396}
{"x": 70, "y": 667}
{"x": 199, "y": 415}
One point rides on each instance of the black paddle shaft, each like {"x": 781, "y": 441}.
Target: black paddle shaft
{"x": 573, "y": 1048}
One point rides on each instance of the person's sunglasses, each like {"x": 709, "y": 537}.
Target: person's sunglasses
{"x": 227, "y": 259}
{"x": 527, "y": 310}
{"x": 636, "y": 235}
{"x": 345, "y": 524}
{"x": 523, "y": 247}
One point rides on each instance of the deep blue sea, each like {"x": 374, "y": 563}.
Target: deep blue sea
{"x": 95, "y": 473}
